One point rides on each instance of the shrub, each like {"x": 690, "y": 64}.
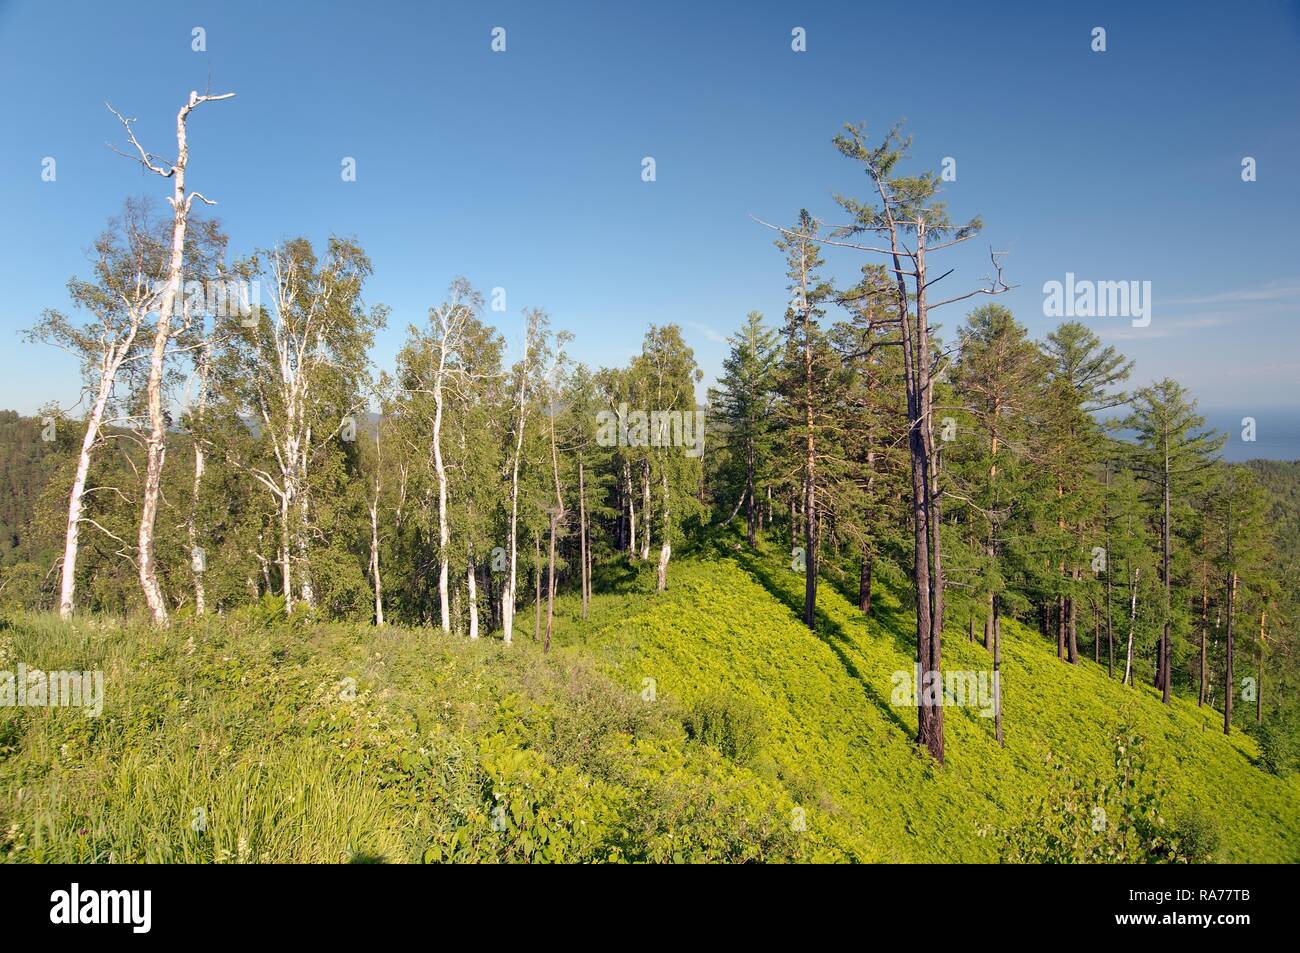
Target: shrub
{"x": 731, "y": 724}
{"x": 1198, "y": 837}
{"x": 1092, "y": 820}
{"x": 1279, "y": 744}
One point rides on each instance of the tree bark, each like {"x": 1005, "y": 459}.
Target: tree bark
{"x": 1165, "y": 665}
{"x": 1132, "y": 623}
{"x": 631, "y": 509}
{"x": 997, "y": 675}
{"x": 1205, "y": 631}
{"x": 582, "y": 537}
{"x": 864, "y": 584}
{"x": 471, "y": 582}
{"x": 508, "y": 590}
{"x": 645, "y": 508}
{"x": 374, "y": 558}
{"x": 77, "y": 499}
{"x": 198, "y": 560}
{"x": 156, "y": 443}
{"x": 665, "y": 548}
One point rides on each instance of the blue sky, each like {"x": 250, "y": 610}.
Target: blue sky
{"x": 523, "y": 169}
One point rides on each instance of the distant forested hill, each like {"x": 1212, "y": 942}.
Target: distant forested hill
{"x": 23, "y": 472}
{"x": 1282, "y": 479}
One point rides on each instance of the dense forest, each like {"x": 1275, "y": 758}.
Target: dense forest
{"x": 237, "y": 452}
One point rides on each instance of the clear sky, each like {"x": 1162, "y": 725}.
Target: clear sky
{"x": 522, "y": 169}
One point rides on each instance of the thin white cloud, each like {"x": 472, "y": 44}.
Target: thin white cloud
{"x": 1279, "y": 290}
{"x": 709, "y": 333}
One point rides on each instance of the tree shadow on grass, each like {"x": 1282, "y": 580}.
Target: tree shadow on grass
{"x": 618, "y": 576}
{"x": 897, "y": 621}
{"x": 828, "y": 630}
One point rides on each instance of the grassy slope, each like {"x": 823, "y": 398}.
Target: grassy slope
{"x": 732, "y": 623}
{"x": 246, "y": 721}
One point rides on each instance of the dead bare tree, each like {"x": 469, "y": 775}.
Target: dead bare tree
{"x": 156, "y": 447}
{"x": 913, "y": 223}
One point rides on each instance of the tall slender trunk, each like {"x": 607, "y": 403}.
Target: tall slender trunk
{"x": 997, "y": 675}
{"x": 811, "y": 542}
{"x": 665, "y": 548}
{"x": 1132, "y": 623}
{"x": 864, "y": 583}
{"x": 537, "y": 586}
{"x": 751, "y": 522}
{"x": 1259, "y": 669}
{"x": 927, "y": 569}
{"x": 471, "y": 582}
{"x": 156, "y": 443}
{"x": 304, "y": 567}
{"x": 1205, "y": 632}
{"x": 582, "y": 538}
{"x": 508, "y": 590}
{"x": 556, "y": 516}
{"x": 1228, "y": 689}
{"x": 375, "y": 580}
{"x": 1165, "y": 664}
{"x": 1072, "y": 629}
{"x": 550, "y": 585}
{"x": 198, "y": 559}
{"x": 440, "y": 470}
{"x": 286, "y": 552}
{"x": 631, "y": 510}
{"x": 1110, "y": 631}
{"x": 77, "y": 499}
{"x": 1060, "y": 627}
{"x": 645, "y": 508}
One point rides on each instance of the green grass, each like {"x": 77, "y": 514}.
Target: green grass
{"x": 225, "y": 740}
{"x": 732, "y": 624}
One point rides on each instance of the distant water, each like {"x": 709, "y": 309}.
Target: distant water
{"x": 1277, "y": 432}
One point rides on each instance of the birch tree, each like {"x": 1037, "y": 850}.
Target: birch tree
{"x": 299, "y": 372}
{"x": 156, "y": 448}
{"x": 536, "y": 329}
{"x": 129, "y": 261}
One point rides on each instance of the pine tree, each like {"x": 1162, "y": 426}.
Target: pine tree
{"x": 1173, "y": 455}
{"x": 743, "y": 405}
